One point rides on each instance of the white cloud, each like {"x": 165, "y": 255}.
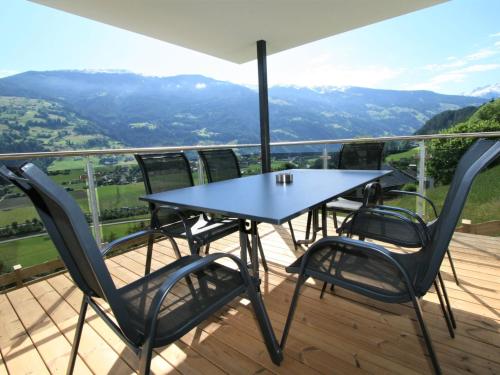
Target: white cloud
{"x": 495, "y": 35}
{"x": 453, "y": 76}
{"x": 336, "y": 75}
{"x": 479, "y": 68}
{"x": 200, "y": 86}
{"x": 455, "y": 64}
{"x": 481, "y": 54}
{"x": 457, "y": 69}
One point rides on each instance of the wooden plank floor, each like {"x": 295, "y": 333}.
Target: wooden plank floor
{"x": 342, "y": 333}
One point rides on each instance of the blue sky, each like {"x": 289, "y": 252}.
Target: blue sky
{"x": 450, "y": 48}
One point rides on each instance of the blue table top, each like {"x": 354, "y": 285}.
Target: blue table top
{"x": 260, "y": 198}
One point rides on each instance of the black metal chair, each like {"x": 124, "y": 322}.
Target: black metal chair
{"x": 221, "y": 165}
{"x": 375, "y": 272}
{"x": 163, "y": 172}
{"x": 399, "y": 227}
{"x": 351, "y": 156}
{"x": 355, "y": 156}
{"x": 154, "y": 310}
{"x": 395, "y": 233}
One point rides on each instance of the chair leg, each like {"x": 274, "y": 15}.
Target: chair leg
{"x": 324, "y": 221}
{"x": 315, "y": 225}
{"x": 323, "y": 288}
{"x": 334, "y": 254}
{"x": 308, "y": 225}
{"x": 149, "y": 255}
{"x": 443, "y": 309}
{"x": 448, "y": 305}
{"x": 249, "y": 247}
{"x": 426, "y": 334}
{"x": 291, "y": 312}
{"x": 261, "y": 251}
{"x": 175, "y": 247}
{"x": 145, "y": 358}
{"x": 452, "y": 267}
{"x": 335, "y": 221}
{"x": 292, "y": 233}
{"x": 78, "y": 335}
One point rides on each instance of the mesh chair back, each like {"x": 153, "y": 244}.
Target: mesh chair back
{"x": 480, "y": 155}
{"x": 220, "y": 165}
{"x": 361, "y": 156}
{"x": 163, "y": 172}
{"x": 365, "y": 156}
{"x": 66, "y": 226}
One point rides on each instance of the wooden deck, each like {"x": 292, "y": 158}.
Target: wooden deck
{"x": 343, "y": 333}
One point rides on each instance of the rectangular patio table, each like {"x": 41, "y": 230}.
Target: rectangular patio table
{"x": 260, "y": 198}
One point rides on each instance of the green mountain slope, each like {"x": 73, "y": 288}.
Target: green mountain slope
{"x": 446, "y": 119}
{"x": 42, "y": 125}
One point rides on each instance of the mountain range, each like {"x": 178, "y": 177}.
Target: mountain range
{"x": 488, "y": 92}
{"x": 96, "y": 109}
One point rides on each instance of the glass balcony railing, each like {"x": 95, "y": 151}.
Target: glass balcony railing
{"x": 107, "y": 183}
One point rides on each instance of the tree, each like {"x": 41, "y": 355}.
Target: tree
{"x": 445, "y": 153}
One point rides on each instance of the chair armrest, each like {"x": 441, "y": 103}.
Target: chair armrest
{"x": 369, "y": 248}
{"x": 106, "y": 249}
{"x": 415, "y": 194}
{"x": 181, "y": 273}
{"x": 410, "y": 213}
{"x": 372, "y": 192}
{"x": 175, "y": 211}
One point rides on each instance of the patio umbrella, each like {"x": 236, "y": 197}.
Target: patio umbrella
{"x": 234, "y": 29}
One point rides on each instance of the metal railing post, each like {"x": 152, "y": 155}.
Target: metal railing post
{"x": 421, "y": 177}
{"x": 201, "y": 172}
{"x": 325, "y": 157}
{"x": 93, "y": 202}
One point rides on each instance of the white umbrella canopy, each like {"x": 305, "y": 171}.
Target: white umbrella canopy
{"x": 228, "y": 29}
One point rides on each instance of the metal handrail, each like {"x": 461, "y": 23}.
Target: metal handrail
{"x": 150, "y": 150}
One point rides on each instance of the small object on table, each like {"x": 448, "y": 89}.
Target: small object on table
{"x": 284, "y": 178}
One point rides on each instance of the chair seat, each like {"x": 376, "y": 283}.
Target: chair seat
{"x": 352, "y": 268}
{"x": 203, "y": 231}
{"x": 386, "y": 229}
{"x": 344, "y": 205}
{"x": 186, "y": 305}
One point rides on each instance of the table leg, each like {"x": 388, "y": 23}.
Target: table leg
{"x": 314, "y": 214}
{"x": 243, "y": 242}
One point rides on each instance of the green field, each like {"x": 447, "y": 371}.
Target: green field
{"x": 409, "y": 154}
{"x": 22, "y": 209}
{"x": 115, "y": 196}
{"x": 39, "y": 249}
{"x": 26, "y": 252}
{"x": 483, "y": 203}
